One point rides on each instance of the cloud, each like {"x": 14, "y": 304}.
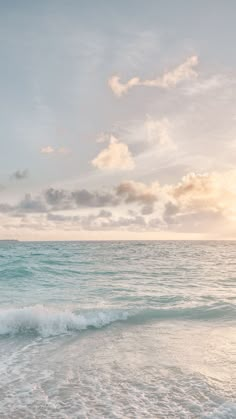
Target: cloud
{"x": 138, "y": 192}
{"x": 103, "y": 137}
{"x": 199, "y": 202}
{"x": 204, "y": 221}
{"x": 170, "y": 212}
{"x": 198, "y": 194}
{"x": 215, "y": 191}
{"x": 47, "y": 150}
{"x": 93, "y": 199}
{"x": 184, "y": 71}
{"x": 159, "y": 132}
{"x": 62, "y": 200}
{"x": 119, "y": 88}
{"x": 51, "y": 150}
{"x": 20, "y": 174}
{"x": 59, "y": 199}
{"x": 101, "y": 221}
{"x": 31, "y": 205}
{"x": 203, "y": 86}
{"x": 27, "y": 205}
{"x": 115, "y": 156}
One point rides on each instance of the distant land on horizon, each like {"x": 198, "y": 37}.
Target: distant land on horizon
{"x": 9, "y": 240}
{"x": 114, "y": 240}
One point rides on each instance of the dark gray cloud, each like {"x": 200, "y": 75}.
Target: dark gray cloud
{"x": 58, "y": 198}
{"x": 147, "y": 209}
{"x": 20, "y": 174}
{"x": 105, "y": 214}
{"x": 31, "y": 205}
{"x": 53, "y": 199}
{"x": 62, "y": 199}
{"x": 26, "y": 205}
{"x": 94, "y": 199}
{"x": 170, "y": 212}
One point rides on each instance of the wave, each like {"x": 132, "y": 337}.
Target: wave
{"x": 47, "y": 321}
{"x": 203, "y": 312}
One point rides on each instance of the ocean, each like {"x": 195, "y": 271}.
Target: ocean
{"x": 118, "y": 330}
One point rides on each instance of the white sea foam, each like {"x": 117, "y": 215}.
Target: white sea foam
{"x": 224, "y": 411}
{"x": 49, "y": 322}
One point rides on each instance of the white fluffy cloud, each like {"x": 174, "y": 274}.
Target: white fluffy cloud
{"x": 205, "y": 192}
{"x": 115, "y": 156}
{"x": 215, "y": 191}
{"x": 204, "y": 202}
{"x": 184, "y": 71}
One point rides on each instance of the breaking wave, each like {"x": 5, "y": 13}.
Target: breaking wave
{"x": 46, "y": 321}
{"x": 49, "y": 322}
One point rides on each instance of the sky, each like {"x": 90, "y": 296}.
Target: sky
{"x": 117, "y": 120}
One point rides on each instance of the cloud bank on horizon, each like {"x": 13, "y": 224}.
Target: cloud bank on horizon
{"x": 76, "y": 163}
{"x": 196, "y": 201}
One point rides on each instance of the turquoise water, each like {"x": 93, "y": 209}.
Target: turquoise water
{"x": 118, "y": 330}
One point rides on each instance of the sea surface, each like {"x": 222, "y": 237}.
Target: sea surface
{"x": 118, "y": 330}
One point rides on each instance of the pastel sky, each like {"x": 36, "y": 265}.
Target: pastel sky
{"x": 118, "y": 119}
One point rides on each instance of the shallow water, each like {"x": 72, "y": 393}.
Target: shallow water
{"x": 118, "y": 330}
